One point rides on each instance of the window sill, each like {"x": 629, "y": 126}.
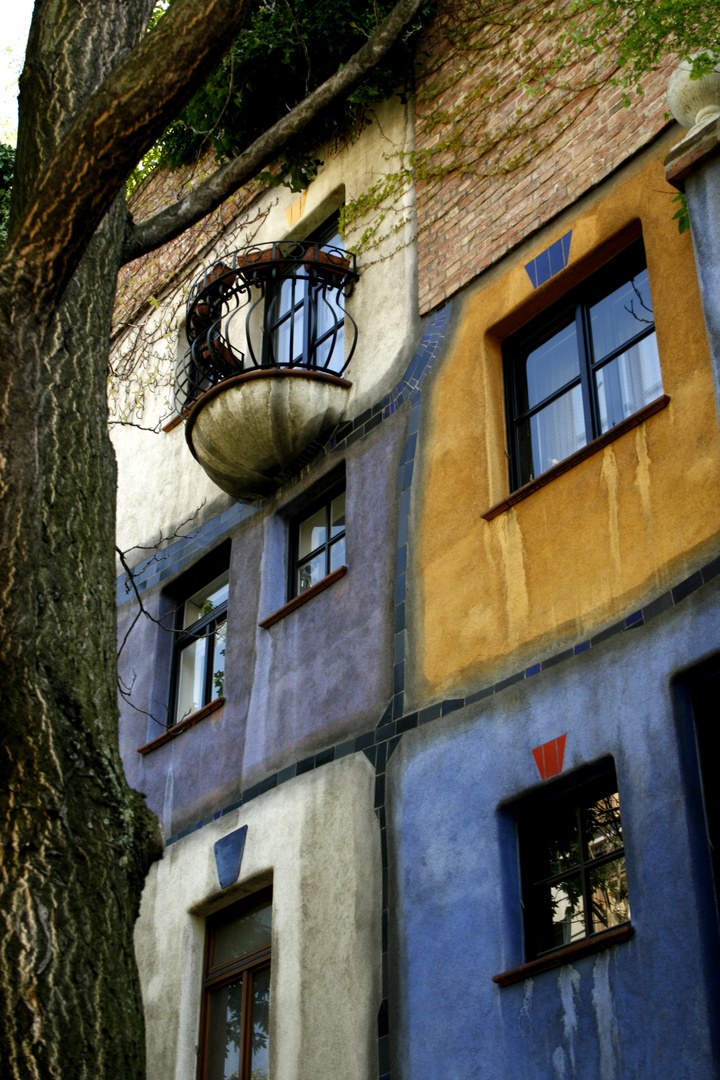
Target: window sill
{"x": 298, "y": 601}
{"x": 177, "y": 729}
{"x": 574, "y": 459}
{"x": 587, "y": 947}
{"x": 172, "y": 424}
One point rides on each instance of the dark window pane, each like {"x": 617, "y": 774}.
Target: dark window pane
{"x": 310, "y": 573}
{"x": 621, "y": 316}
{"x": 218, "y": 668}
{"x": 247, "y": 933}
{"x": 206, "y": 600}
{"x": 628, "y": 382}
{"x": 191, "y": 678}
{"x": 560, "y": 913}
{"x": 337, "y": 554}
{"x": 330, "y": 317}
{"x": 559, "y": 850}
{"x": 602, "y": 827}
{"x": 608, "y": 895}
{"x": 224, "y": 1032}
{"x": 551, "y": 435}
{"x": 260, "y": 1026}
{"x": 318, "y": 543}
{"x": 312, "y": 532}
{"x": 549, "y": 367}
{"x": 337, "y": 515}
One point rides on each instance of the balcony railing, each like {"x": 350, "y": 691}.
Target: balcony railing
{"x": 272, "y": 305}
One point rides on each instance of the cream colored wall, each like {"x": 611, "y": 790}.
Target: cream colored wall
{"x": 159, "y": 482}
{"x": 604, "y": 537}
{"x": 317, "y": 839}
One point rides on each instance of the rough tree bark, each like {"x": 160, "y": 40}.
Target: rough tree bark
{"x": 77, "y": 842}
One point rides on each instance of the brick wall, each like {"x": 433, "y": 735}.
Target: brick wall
{"x": 143, "y": 282}
{"x": 501, "y": 162}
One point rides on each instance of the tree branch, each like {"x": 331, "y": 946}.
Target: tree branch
{"x": 110, "y": 134}
{"x": 169, "y": 223}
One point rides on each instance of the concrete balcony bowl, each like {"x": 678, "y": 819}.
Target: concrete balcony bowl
{"x": 247, "y": 430}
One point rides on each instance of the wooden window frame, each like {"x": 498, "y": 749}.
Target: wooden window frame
{"x": 295, "y": 561}
{"x": 571, "y": 309}
{"x": 222, "y": 974}
{"x": 211, "y": 567}
{"x": 595, "y": 783}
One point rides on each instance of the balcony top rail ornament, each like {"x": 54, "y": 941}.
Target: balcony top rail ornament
{"x": 292, "y": 296}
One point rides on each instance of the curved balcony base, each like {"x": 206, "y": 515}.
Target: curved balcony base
{"x": 247, "y": 430}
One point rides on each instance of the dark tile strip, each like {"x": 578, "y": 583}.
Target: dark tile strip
{"x": 380, "y": 741}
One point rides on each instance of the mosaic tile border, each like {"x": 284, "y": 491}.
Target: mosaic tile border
{"x": 169, "y": 561}
{"x": 379, "y": 742}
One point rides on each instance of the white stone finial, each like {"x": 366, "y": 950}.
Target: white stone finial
{"x": 694, "y": 102}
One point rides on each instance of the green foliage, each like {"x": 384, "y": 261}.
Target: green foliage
{"x": 646, "y": 32}
{"x": 681, "y": 214}
{"x": 288, "y": 48}
{"x": 7, "y": 165}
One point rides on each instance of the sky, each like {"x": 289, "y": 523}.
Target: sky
{"x": 14, "y": 28}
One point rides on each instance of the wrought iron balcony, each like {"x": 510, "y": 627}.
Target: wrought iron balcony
{"x": 273, "y": 305}
{"x": 269, "y": 340}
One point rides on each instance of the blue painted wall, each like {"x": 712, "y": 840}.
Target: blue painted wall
{"x": 643, "y": 1008}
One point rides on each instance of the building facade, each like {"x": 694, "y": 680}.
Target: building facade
{"x": 425, "y": 701}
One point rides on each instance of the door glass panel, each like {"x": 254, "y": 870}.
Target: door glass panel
{"x": 312, "y": 532}
{"x": 260, "y": 1027}
{"x": 621, "y": 316}
{"x": 191, "y": 679}
{"x": 330, "y": 318}
{"x": 628, "y": 382}
{"x": 288, "y": 319}
{"x": 549, "y": 367}
{"x": 245, "y": 934}
{"x": 551, "y": 434}
{"x": 224, "y": 1032}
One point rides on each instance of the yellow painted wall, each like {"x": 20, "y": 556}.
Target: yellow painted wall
{"x": 602, "y": 539}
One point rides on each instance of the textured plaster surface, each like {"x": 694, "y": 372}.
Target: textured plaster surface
{"x": 245, "y": 435}
{"x": 322, "y": 673}
{"x": 317, "y": 840}
{"x": 646, "y": 1007}
{"x": 610, "y": 533}
{"x": 702, "y": 189}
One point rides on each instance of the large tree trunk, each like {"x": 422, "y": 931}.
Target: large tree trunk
{"x": 77, "y": 841}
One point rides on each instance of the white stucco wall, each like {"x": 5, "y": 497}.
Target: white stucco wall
{"x": 317, "y": 839}
{"x": 159, "y": 482}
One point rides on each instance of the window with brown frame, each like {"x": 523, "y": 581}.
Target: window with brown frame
{"x": 317, "y": 542}
{"x": 581, "y": 368}
{"x": 572, "y": 859}
{"x": 234, "y": 1024}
